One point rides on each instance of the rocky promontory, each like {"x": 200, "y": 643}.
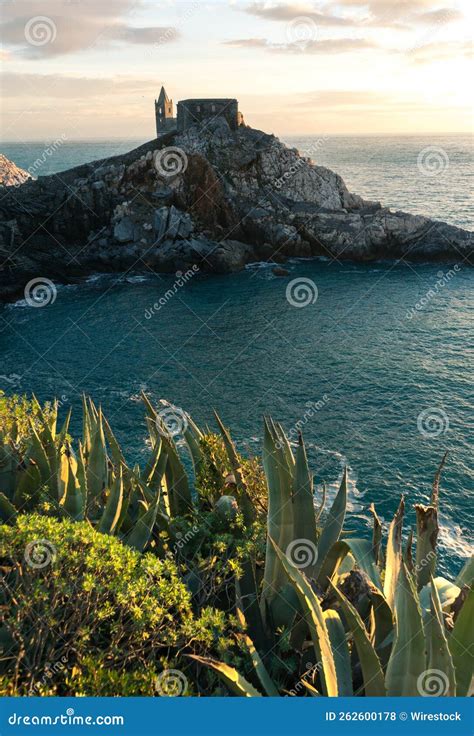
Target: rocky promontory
{"x": 10, "y": 174}
{"x": 212, "y": 197}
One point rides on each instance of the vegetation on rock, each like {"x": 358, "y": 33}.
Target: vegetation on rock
{"x": 230, "y": 574}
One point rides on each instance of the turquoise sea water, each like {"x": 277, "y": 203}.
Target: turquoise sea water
{"x": 391, "y": 388}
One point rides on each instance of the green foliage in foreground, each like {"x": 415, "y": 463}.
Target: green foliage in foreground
{"x": 268, "y": 594}
{"x": 84, "y": 614}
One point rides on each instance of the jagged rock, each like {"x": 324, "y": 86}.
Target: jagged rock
{"x": 124, "y": 230}
{"x": 239, "y": 196}
{"x": 10, "y": 174}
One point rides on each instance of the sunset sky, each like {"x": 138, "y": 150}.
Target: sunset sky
{"x": 91, "y": 68}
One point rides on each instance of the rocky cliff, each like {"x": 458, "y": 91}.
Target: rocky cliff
{"x": 216, "y": 198}
{"x": 10, "y": 174}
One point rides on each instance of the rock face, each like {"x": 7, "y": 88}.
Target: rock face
{"x": 10, "y": 174}
{"x": 214, "y": 197}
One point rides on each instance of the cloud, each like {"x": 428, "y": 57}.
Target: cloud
{"x": 57, "y": 27}
{"x": 396, "y": 14}
{"x": 442, "y": 51}
{"x": 324, "y": 46}
{"x": 288, "y": 12}
{"x": 68, "y": 87}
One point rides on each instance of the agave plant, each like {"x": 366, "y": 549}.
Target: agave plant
{"x": 373, "y": 618}
{"x": 94, "y": 481}
{"x": 409, "y": 633}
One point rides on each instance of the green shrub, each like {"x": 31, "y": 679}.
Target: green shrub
{"x": 72, "y": 597}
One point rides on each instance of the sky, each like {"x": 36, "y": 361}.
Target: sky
{"x": 91, "y": 69}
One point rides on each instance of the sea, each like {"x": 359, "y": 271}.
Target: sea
{"x": 373, "y": 363}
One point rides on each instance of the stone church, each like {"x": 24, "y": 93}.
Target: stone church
{"x": 194, "y": 111}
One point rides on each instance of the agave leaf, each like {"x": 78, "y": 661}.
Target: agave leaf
{"x": 435, "y": 490}
{"x": 407, "y": 661}
{"x": 8, "y": 512}
{"x": 28, "y": 486}
{"x": 461, "y": 646}
{"x": 316, "y": 622}
{"x": 8, "y": 466}
{"x": 466, "y": 575}
{"x": 115, "y": 449}
{"x": 363, "y": 553}
{"x": 439, "y": 656}
{"x": 311, "y": 689}
{"x": 63, "y": 474}
{"x": 86, "y": 427}
{"x": 141, "y": 533}
{"x": 97, "y": 470}
{"x": 247, "y": 599}
{"x": 393, "y": 555}
{"x": 426, "y": 537}
{"x": 260, "y": 669}
{"x": 322, "y": 504}
{"x": 334, "y": 522}
{"x": 382, "y": 620}
{"x": 193, "y": 436}
{"x": 73, "y": 500}
{"x": 273, "y": 515}
{"x": 64, "y": 430}
{"x": 447, "y": 592}
{"x": 37, "y": 452}
{"x": 234, "y": 681}
{"x": 304, "y": 519}
{"x": 248, "y": 510}
{"x": 370, "y": 664}
{"x": 377, "y": 534}
{"x": 340, "y": 648}
{"x": 108, "y": 523}
{"x": 177, "y": 483}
